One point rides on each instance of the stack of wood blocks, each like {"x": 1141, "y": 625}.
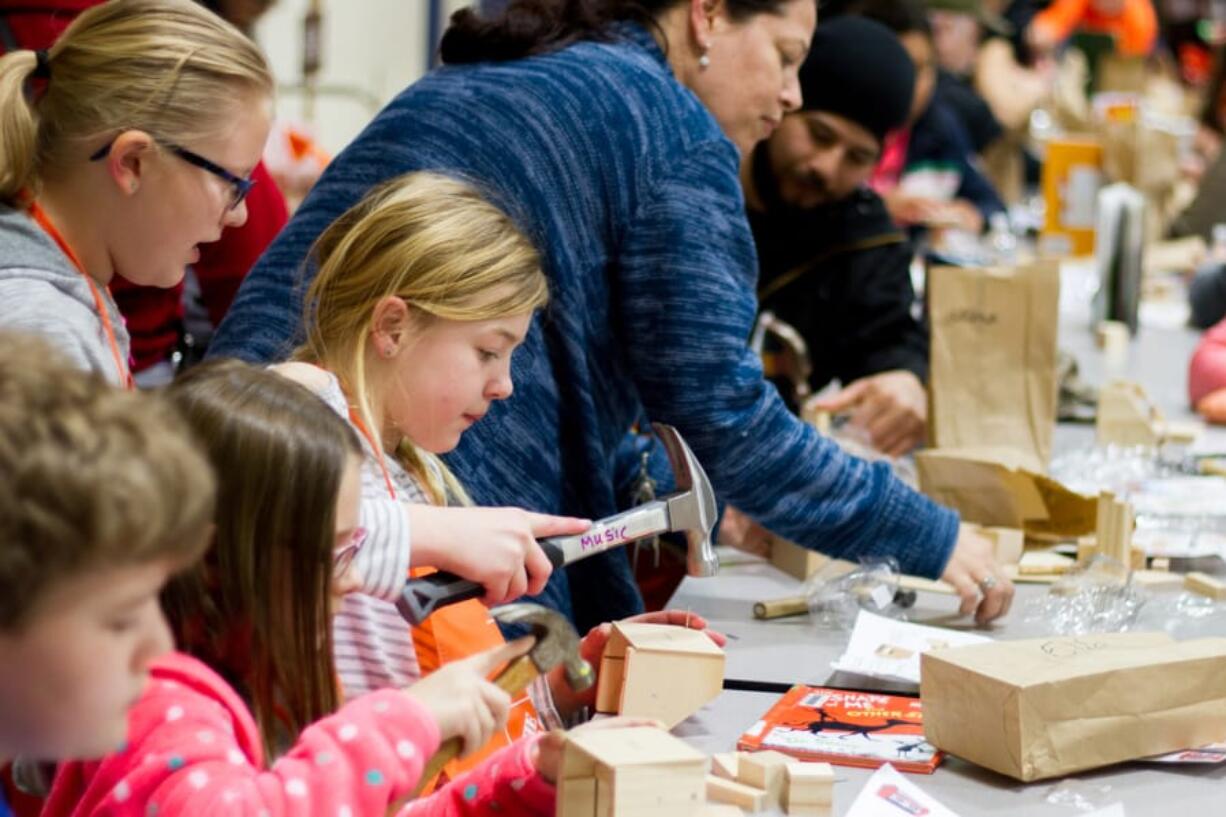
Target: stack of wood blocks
{"x": 1113, "y": 532}
{"x": 764, "y": 780}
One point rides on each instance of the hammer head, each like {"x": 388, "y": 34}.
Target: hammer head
{"x": 556, "y": 641}
{"x": 692, "y": 509}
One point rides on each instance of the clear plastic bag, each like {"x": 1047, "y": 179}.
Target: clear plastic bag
{"x": 836, "y": 599}
{"x": 1095, "y": 598}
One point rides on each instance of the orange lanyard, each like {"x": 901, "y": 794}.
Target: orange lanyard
{"x": 40, "y": 216}
{"x": 374, "y": 445}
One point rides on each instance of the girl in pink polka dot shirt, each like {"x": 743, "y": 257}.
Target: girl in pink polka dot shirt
{"x": 268, "y": 739}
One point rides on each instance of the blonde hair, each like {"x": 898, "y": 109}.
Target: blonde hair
{"x": 167, "y": 67}
{"x": 438, "y": 244}
{"x": 90, "y": 477}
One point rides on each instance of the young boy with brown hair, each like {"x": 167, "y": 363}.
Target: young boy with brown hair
{"x": 103, "y": 495}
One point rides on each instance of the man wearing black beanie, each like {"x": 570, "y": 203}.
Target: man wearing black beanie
{"x": 832, "y": 263}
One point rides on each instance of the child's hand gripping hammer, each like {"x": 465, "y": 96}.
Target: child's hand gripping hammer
{"x": 690, "y": 510}
{"x": 556, "y": 643}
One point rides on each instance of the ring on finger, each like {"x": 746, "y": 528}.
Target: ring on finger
{"x": 987, "y": 582}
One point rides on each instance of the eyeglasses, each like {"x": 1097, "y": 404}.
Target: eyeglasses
{"x": 343, "y": 556}
{"x": 239, "y": 187}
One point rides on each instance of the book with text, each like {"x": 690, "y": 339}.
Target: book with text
{"x": 846, "y": 728}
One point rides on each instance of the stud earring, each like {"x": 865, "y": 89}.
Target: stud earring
{"x": 388, "y": 351}
{"x": 132, "y": 187}
{"x": 704, "y": 61}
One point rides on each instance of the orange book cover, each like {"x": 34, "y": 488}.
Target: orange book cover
{"x": 846, "y": 728}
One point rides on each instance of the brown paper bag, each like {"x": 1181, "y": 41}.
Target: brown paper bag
{"x": 1047, "y": 707}
{"x": 1003, "y": 488}
{"x": 993, "y": 358}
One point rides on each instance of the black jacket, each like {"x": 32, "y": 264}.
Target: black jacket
{"x": 840, "y": 274}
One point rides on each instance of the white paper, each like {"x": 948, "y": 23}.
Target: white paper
{"x": 1213, "y": 753}
{"x": 883, "y": 648}
{"x": 889, "y": 794}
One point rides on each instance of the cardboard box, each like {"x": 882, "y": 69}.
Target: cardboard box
{"x": 1053, "y": 706}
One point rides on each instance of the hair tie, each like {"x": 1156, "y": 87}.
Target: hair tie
{"x": 42, "y": 68}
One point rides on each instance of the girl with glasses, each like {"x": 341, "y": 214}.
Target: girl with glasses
{"x": 247, "y": 719}
{"x": 123, "y": 148}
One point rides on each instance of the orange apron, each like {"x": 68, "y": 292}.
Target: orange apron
{"x": 450, "y": 634}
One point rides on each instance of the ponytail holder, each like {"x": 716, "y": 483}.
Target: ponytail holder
{"x": 42, "y": 68}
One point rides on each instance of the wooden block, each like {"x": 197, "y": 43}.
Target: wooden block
{"x": 1126, "y": 416}
{"x": 1177, "y": 432}
{"x": 1114, "y": 527}
{"x": 797, "y": 562}
{"x": 736, "y": 794}
{"x": 1112, "y": 337}
{"x": 764, "y": 770}
{"x": 1161, "y": 563}
{"x": 577, "y": 797}
{"x": 810, "y": 810}
{"x": 719, "y": 810}
{"x": 1205, "y": 585}
{"x": 724, "y": 764}
{"x": 1008, "y": 544}
{"x": 1044, "y": 562}
{"x": 1087, "y": 549}
{"x": 1136, "y": 557}
{"x": 1157, "y": 581}
{"x": 658, "y": 671}
{"x": 808, "y": 784}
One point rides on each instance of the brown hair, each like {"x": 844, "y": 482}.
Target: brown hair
{"x": 438, "y": 244}
{"x": 168, "y": 67}
{"x": 530, "y": 27}
{"x": 90, "y": 476}
{"x": 258, "y": 607}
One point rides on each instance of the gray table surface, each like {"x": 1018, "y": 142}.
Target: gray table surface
{"x": 788, "y": 651}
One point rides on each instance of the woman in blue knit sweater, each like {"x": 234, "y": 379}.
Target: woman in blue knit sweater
{"x": 612, "y": 131}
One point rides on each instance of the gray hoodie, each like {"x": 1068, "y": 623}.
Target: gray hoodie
{"x": 41, "y": 292}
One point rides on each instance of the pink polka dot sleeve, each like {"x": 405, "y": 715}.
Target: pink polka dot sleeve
{"x": 193, "y": 750}
{"x": 506, "y": 785}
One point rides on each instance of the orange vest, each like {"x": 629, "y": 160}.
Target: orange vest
{"x": 458, "y": 631}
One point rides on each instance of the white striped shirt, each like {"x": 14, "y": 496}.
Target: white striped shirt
{"x": 371, "y": 642}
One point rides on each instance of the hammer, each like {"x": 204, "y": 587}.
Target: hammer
{"x": 691, "y": 509}
{"x": 556, "y": 643}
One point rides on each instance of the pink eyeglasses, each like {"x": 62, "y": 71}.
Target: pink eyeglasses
{"x": 344, "y": 555}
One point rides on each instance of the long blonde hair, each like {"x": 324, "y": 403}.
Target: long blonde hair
{"x": 168, "y": 67}
{"x": 438, "y": 244}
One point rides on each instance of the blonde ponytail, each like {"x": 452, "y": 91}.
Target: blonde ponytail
{"x": 18, "y": 124}
{"x": 168, "y": 67}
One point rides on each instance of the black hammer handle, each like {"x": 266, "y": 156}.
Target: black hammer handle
{"x": 425, "y": 594}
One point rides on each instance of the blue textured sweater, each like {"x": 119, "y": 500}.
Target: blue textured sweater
{"x": 630, "y": 189}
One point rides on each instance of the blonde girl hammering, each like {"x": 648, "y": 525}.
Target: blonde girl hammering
{"x": 424, "y": 291}
{"x": 123, "y": 148}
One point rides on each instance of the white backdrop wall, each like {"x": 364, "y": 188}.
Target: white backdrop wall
{"x": 371, "y": 50}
